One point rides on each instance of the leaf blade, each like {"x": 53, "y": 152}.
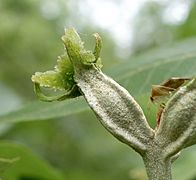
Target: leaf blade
{"x": 24, "y": 163}
{"x": 43, "y": 110}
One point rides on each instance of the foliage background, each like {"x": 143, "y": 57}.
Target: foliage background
{"x": 73, "y": 145}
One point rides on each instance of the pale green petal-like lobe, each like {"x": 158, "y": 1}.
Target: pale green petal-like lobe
{"x": 49, "y": 79}
{"x": 73, "y": 92}
{"x": 60, "y": 78}
{"x": 64, "y": 65}
{"x": 78, "y": 55}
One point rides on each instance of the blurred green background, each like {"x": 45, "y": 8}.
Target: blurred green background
{"x": 77, "y": 147}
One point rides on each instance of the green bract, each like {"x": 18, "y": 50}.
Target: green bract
{"x": 59, "y": 78}
{"x": 62, "y": 77}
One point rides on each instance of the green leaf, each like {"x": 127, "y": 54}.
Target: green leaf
{"x": 21, "y": 163}
{"x": 5, "y": 163}
{"x": 136, "y": 75}
{"x": 153, "y": 67}
{"x": 185, "y": 164}
{"x": 44, "y": 110}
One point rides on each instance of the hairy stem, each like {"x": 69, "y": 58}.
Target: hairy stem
{"x": 117, "y": 110}
{"x": 157, "y": 167}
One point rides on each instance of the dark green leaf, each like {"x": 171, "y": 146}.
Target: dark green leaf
{"x": 21, "y": 163}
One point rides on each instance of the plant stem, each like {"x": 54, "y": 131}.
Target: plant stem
{"x": 157, "y": 167}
